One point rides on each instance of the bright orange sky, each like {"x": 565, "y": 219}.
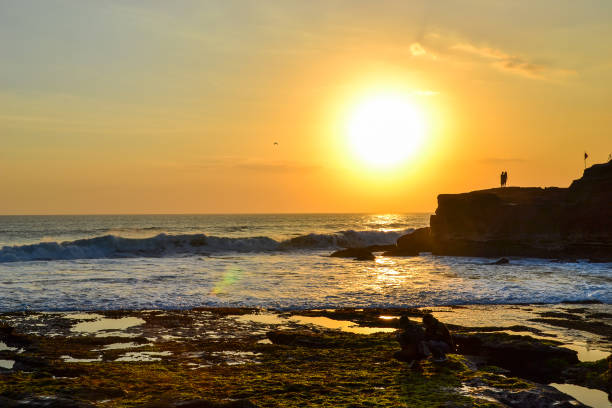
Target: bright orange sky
{"x": 174, "y": 107}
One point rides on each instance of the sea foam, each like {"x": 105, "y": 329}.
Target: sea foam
{"x": 163, "y": 245}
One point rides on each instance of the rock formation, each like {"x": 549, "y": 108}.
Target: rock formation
{"x": 574, "y": 222}
{"x": 359, "y": 254}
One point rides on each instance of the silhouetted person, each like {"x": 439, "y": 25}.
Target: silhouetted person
{"x": 503, "y": 178}
{"x": 437, "y": 338}
{"x": 411, "y": 338}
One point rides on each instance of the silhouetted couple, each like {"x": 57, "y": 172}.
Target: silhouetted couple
{"x": 417, "y": 344}
{"x": 504, "y": 178}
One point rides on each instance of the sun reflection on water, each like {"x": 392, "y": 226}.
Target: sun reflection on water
{"x": 390, "y": 222}
{"x": 389, "y": 274}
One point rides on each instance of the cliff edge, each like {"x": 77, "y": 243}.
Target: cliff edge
{"x": 574, "y": 222}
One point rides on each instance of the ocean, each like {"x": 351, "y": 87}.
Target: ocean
{"x": 70, "y": 263}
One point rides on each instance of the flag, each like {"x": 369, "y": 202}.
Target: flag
{"x": 586, "y": 156}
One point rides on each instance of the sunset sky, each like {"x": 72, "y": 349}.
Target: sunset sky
{"x": 175, "y": 106}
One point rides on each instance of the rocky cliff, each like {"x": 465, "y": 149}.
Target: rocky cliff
{"x": 574, "y": 222}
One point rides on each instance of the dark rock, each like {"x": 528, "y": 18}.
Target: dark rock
{"x": 98, "y": 393}
{"x": 25, "y": 362}
{"x": 582, "y": 302}
{"x": 42, "y": 402}
{"x": 203, "y": 403}
{"x": 360, "y": 254}
{"x": 540, "y": 397}
{"x": 574, "y": 222}
{"x": 455, "y": 404}
{"x": 560, "y": 315}
{"x": 6, "y": 330}
{"x": 302, "y": 338}
{"x": 599, "y": 315}
{"x": 412, "y": 244}
{"x": 13, "y": 339}
{"x": 522, "y": 355}
{"x": 594, "y": 375}
{"x": 366, "y": 257}
{"x": 608, "y": 375}
{"x": 501, "y": 261}
{"x": 219, "y": 404}
{"x": 590, "y": 326}
{"x": 8, "y": 403}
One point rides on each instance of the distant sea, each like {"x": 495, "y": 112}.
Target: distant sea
{"x": 273, "y": 261}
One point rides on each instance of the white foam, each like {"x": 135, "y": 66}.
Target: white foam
{"x": 112, "y": 246}
{"x": 293, "y": 279}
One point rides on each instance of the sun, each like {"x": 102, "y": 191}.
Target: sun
{"x": 385, "y": 129}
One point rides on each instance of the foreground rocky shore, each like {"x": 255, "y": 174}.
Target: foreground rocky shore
{"x": 241, "y": 357}
{"x": 563, "y": 223}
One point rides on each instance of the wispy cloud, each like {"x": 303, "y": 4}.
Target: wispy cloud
{"x": 512, "y": 63}
{"x": 417, "y": 49}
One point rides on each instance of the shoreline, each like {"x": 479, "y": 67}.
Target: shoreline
{"x": 298, "y": 308}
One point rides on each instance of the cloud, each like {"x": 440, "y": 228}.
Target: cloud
{"x": 485, "y": 52}
{"x": 512, "y": 63}
{"x": 417, "y": 50}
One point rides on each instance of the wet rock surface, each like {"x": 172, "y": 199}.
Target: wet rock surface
{"x": 538, "y": 397}
{"x": 42, "y": 402}
{"x": 235, "y": 357}
{"x": 12, "y": 338}
{"x": 523, "y": 356}
{"x": 302, "y": 338}
{"x": 601, "y": 328}
{"x": 203, "y": 403}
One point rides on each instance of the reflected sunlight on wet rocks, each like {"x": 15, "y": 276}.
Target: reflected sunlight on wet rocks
{"x": 215, "y": 342}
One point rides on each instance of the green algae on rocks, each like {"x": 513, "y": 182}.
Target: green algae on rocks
{"x": 211, "y": 354}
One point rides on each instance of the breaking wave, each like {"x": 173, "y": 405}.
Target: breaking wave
{"x": 163, "y": 245}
